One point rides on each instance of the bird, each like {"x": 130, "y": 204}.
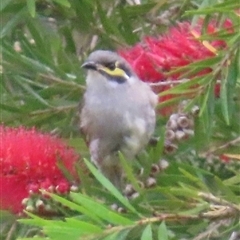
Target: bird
{"x": 118, "y": 112}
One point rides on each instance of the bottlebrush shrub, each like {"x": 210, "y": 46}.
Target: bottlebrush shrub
{"x": 154, "y": 58}
{"x": 28, "y": 163}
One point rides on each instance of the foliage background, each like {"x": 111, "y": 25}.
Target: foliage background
{"x": 43, "y": 44}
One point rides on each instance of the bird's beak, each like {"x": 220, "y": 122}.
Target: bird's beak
{"x": 90, "y": 65}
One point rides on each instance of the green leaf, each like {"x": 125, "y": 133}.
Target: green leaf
{"x": 4, "y": 4}
{"x": 31, "y": 7}
{"x": 99, "y": 209}
{"x": 77, "y": 207}
{"x": 10, "y": 108}
{"x": 128, "y": 34}
{"x": 228, "y": 84}
{"x": 64, "y": 3}
{"x": 70, "y": 229}
{"x": 129, "y": 173}
{"x": 108, "y": 24}
{"x": 12, "y": 23}
{"x": 109, "y": 186}
{"x": 137, "y": 10}
{"x": 147, "y": 233}
{"x": 162, "y": 232}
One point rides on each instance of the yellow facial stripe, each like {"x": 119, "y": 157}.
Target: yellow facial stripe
{"x": 117, "y": 72}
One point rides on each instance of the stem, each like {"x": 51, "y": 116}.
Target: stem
{"x": 60, "y": 81}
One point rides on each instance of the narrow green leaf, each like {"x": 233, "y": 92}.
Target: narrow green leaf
{"x": 9, "y": 108}
{"x": 232, "y": 180}
{"x": 108, "y": 24}
{"x": 192, "y": 178}
{"x": 204, "y": 101}
{"x": 197, "y": 210}
{"x": 217, "y": 187}
{"x": 64, "y": 3}
{"x": 228, "y": 88}
{"x": 99, "y": 209}
{"x": 8, "y": 27}
{"x": 224, "y": 101}
{"x": 34, "y": 93}
{"x": 76, "y": 207}
{"x": 4, "y": 4}
{"x": 185, "y": 87}
{"x": 129, "y": 173}
{"x": 70, "y": 228}
{"x": 35, "y": 221}
{"x": 128, "y": 34}
{"x": 117, "y": 235}
{"x": 109, "y": 186}
{"x": 31, "y": 7}
{"x": 139, "y": 9}
{"x": 147, "y": 233}
{"x": 162, "y": 232}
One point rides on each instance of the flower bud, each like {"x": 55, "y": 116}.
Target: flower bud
{"x": 172, "y": 124}
{"x": 134, "y": 195}
{"x": 30, "y": 208}
{"x": 151, "y": 182}
{"x": 129, "y": 190}
{"x": 163, "y": 164}
{"x": 121, "y": 210}
{"x": 189, "y": 132}
{"x": 183, "y": 122}
{"x": 195, "y": 110}
{"x": 180, "y": 135}
{"x": 48, "y": 208}
{"x": 174, "y": 116}
{"x": 170, "y": 148}
{"x": 39, "y": 203}
{"x": 74, "y": 188}
{"x": 155, "y": 169}
{"x": 25, "y": 201}
{"x": 114, "y": 207}
{"x": 17, "y": 46}
{"x": 170, "y": 135}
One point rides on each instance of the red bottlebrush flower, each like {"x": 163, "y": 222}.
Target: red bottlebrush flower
{"x": 154, "y": 58}
{"x": 28, "y": 163}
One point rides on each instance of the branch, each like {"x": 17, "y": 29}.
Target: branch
{"x": 226, "y": 145}
{"x": 172, "y": 82}
{"x": 211, "y": 198}
{"x": 60, "y": 81}
{"x": 54, "y": 109}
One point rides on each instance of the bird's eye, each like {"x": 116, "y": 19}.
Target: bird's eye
{"x": 111, "y": 66}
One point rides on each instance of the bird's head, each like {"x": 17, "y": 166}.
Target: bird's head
{"x": 109, "y": 65}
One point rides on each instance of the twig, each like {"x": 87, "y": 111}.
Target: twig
{"x": 211, "y": 198}
{"x": 11, "y": 231}
{"x": 169, "y": 82}
{"x": 58, "y": 80}
{"x": 210, "y": 231}
{"x": 172, "y": 82}
{"x": 56, "y": 109}
{"x": 226, "y": 145}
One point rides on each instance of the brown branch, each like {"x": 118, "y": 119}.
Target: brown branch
{"x": 226, "y": 145}
{"x": 211, "y": 198}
